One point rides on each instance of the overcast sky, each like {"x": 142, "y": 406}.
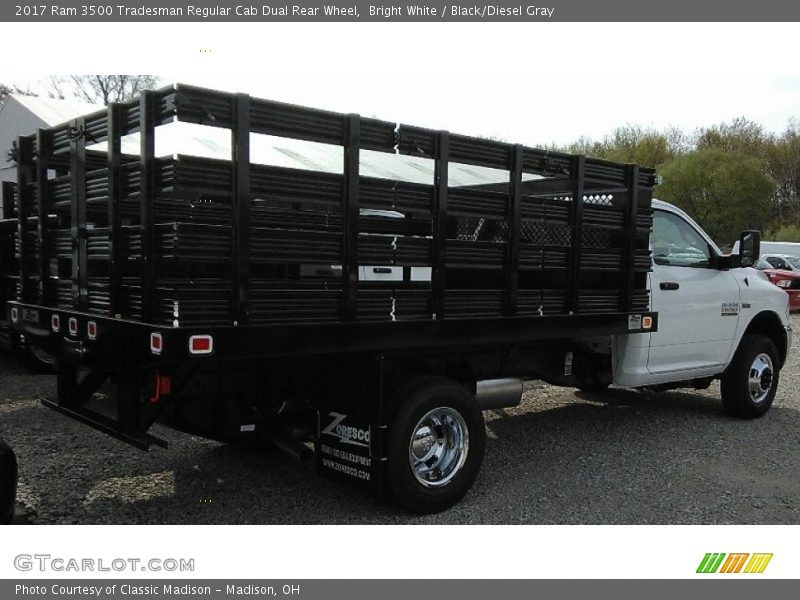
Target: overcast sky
{"x": 534, "y": 110}
{"x": 523, "y": 83}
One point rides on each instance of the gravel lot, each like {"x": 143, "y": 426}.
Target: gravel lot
{"x": 623, "y": 457}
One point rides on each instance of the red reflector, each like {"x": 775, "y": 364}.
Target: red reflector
{"x": 201, "y": 344}
{"x": 156, "y": 344}
{"x": 91, "y": 330}
{"x": 164, "y": 385}
{"x": 73, "y": 326}
{"x": 55, "y": 323}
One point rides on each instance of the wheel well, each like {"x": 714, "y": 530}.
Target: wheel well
{"x": 768, "y": 324}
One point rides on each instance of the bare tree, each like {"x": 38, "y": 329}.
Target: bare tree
{"x": 100, "y": 88}
{"x": 6, "y": 90}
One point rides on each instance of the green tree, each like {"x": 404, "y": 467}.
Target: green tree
{"x": 739, "y": 135}
{"x": 785, "y": 233}
{"x": 634, "y": 144}
{"x": 783, "y": 163}
{"x": 726, "y": 192}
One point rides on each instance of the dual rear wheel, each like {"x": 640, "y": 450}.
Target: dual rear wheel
{"x": 436, "y": 444}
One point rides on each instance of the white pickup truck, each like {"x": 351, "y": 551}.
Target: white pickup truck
{"x": 717, "y": 320}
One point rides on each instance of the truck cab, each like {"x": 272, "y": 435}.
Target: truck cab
{"x": 712, "y": 311}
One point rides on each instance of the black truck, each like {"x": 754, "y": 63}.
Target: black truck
{"x": 244, "y": 302}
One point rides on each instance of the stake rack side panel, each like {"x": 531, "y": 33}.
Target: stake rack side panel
{"x": 483, "y": 229}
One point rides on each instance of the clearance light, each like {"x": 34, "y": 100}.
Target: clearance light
{"x": 647, "y": 322}
{"x": 156, "y": 343}
{"x": 201, "y": 344}
{"x": 91, "y": 330}
{"x": 55, "y": 323}
{"x": 73, "y": 326}
{"x": 14, "y": 315}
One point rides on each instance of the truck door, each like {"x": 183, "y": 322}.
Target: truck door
{"x": 697, "y": 304}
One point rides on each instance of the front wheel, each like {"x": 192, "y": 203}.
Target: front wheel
{"x": 751, "y": 380}
{"x": 437, "y": 440}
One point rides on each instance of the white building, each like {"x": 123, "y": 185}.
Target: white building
{"x": 23, "y": 115}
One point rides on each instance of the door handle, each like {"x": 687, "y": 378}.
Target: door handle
{"x": 669, "y": 285}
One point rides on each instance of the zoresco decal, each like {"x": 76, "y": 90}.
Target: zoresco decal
{"x": 346, "y": 434}
{"x": 734, "y": 563}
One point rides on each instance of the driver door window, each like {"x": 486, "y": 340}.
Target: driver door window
{"x": 674, "y": 242}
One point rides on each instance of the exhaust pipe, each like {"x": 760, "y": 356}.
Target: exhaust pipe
{"x": 8, "y": 482}
{"x": 293, "y": 447}
{"x": 498, "y": 393}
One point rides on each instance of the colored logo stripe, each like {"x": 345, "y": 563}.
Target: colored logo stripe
{"x": 710, "y": 562}
{"x": 733, "y": 564}
{"x": 758, "y": 563}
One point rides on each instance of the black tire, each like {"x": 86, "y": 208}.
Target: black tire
{"x": 736, "y": 393}
{"x": 39, "y": 360}
{"x": 449, "y": 399}
{"x": 8, "y": 482}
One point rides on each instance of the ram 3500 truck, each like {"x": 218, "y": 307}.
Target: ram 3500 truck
{"x": 371, "y": 310}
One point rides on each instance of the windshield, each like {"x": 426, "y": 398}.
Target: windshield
{"x": 794, "y": 261}
{"x": 762, "y": 264}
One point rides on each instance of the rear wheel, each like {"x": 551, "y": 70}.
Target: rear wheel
{"x": 40, "y": 360}
{"x": 751, "y": 380}
{"x": 436, "y": 445}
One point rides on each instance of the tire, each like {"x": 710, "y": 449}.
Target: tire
{"x": 8, "y": 483}
{"x": 745, "y": 398}
{"x": 448, "y": 413}
{"x": 39, "y": 360}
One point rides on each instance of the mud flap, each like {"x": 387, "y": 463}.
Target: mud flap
{"x": 350, "y": 436}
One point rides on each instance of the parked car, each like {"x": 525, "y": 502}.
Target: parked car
{"x": 786, "y": 262}
{"x": 788, "y": 281}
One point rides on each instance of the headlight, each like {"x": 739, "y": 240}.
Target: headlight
{"x": 784, "y": 283}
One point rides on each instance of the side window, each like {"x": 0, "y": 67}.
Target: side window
{"x": 777, "y": 262}
{"x": 675, "y": 242}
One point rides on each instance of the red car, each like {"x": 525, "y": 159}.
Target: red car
{"x": 788, "y": 281}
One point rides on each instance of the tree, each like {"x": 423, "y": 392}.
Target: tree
{"x": 100, "y": 88}
{"x": 6, "y": 90}
{"x": 786, "y": 233}
{"x": 633, "y": 143}
{"x": 783, "y": 160}
{"x": 740, "y": 135}
{"x": 726, "y": 192}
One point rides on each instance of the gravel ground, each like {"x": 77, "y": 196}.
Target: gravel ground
{"x": 622, "y": 457}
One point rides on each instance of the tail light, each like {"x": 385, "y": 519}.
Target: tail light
{"x": 201, "y": 344}
{"x": 91, "y": 330}
{"x": 14, "y": 314}
{"x": 73, "y": 326}
{"x": 55, "y": 323}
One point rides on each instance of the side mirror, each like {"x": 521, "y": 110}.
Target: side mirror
{"x": 749, "y": 248}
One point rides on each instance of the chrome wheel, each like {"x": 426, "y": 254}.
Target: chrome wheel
{"x": 760, "y": 378}
{"x": 438, "y": 446}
